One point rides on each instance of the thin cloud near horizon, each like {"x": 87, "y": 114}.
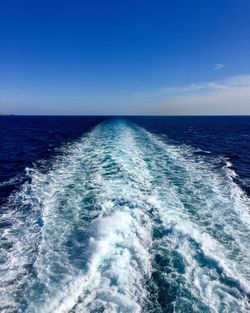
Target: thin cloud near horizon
{"x": 230, "y": 95}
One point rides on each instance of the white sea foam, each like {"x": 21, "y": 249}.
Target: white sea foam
{"x": 80, "y": 236}
{"x": 115, "y": 259}
{"x": 217, "y": 202}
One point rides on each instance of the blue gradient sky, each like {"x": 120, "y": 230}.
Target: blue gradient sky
{"x": 125, "y": 57}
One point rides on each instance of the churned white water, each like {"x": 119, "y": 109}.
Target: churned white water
{"x": 126, "y": 221}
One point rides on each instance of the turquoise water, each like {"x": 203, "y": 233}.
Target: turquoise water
{"x": 125, "y": 220}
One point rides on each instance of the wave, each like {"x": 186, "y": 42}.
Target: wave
{"x": 126, "y": 221}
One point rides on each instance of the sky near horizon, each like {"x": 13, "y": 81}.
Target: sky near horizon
{"x": 125, "y": 57}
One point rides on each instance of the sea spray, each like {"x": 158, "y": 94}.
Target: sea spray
{"x": 126, "y": 221}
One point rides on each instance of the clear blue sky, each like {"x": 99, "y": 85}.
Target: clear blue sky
{"x": 125, "y": 57}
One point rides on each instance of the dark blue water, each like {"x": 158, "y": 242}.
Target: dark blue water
{"x": 26, "y": 139}
{"x": 136, "y": 214}
{"x": 227, "y": 136}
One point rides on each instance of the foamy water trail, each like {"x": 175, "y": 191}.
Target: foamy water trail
{"x": 125, "y": 221}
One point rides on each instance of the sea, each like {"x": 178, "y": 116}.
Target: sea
{"x": 124, "y": 214}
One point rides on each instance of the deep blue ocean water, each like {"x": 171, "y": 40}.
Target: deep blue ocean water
{"x": 27, "y": 139}
{"x": 133, "y": 214}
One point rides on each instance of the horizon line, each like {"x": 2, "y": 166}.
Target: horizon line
{"x": 129, "y": 115}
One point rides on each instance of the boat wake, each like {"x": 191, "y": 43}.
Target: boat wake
{"x": 126, "y": 221}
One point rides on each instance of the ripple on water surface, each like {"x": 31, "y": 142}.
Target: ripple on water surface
{"x": 126, "y": 221}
